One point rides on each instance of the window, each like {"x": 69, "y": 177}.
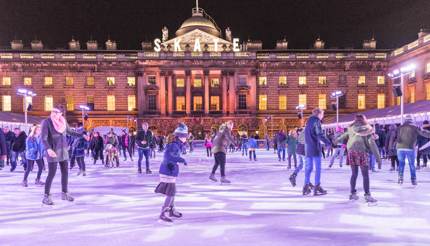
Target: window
{"x": 428, "y": 91}
{"x": 242, "y": 80}
{"x": 131, "y": 81}
{"x": 180, "y": 83}
{"x": 27, "y": 81}
{"x": 381, "y": 101}
{"x": 69, "y": 81}
{"x": 49, "y": 103}
{"x": 6, "y": 103}
{"x": 197, "y": 83}
{"x": 90, "y": 81}
{"x": 428, "y": 68}
{"x": 214, "y": 106}
{"x": 322, "y": 101}
{"x": 152, "y": 80}
{"x": 361, "y": 101}
{"x": 262, "y": 102}
{"x": 215, "y": 82}
{"x": 302, "y": 99}
{"x": 6, "y": 81}
{"x": 48, "y": 81}
{"x": 90, "y": 102}
{"x": 282, "y": 80}
{"x": 381, "y": 80}
{"x": 70, "y": 104}
{"x": 322, "y": 80}
{"x": 111, "y": 103}
{"x": 198, "y": 103}
{"x": 262, "y": 81}
{"x": 152, "y": 102}
{"x": 242, "y": 101}
{"x": 131, "y": 102}
{"x": 180, "y": 103}
{"x": 361, "y": 80}
{"x": 411, "y": 97}
{"x": 283, "y": 102}
{"x": 302, "y": 80}
{"x": 110, "y": 81}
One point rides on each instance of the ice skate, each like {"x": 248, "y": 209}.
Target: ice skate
{"x": 293, "y": 179}
{"x": 24, "y": 183}
{"x": 212, "y": 177}
{"x": 225, "y": 181}
{"x": 414, "y": 182}
{"x": 38, "y": 182}
{"x": 319, "y": 191}
{"x": 353, "y": 197}
{"x": 67, "y": 197}
{"x": 370, "y": 200}
{"x": 47, "y": 200}
{"x": 163, "y": 216}
{"x": 307, "y": 190}
{"x": 174, "y": 213}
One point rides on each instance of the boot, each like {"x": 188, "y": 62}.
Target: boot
{"x": 414, "y": 182}
{"x": 79, "y": 173}
{"x": 139, "y": 171}
{"x": 84, "y": 173}
{"x": 311, "y": 185}
{"x": 38, "y": 182}
{"x": 400, "y": 181}
{"x": 392, "y": 169}
{"x": 306, "y": 190}
{"x": 369, "y": 198}
{"x": 148, "y": 171}
{"x": 418, "y": 167}
{"x": 67, "y": 197}
{"x": 224, "y": 180}
{"x": 163, "y": 216}
{"x": 293, "y": 179}
{"x": 24, "y": 183}
{"x": 174, "y": 213}
{"x": 47, "y": 200}
{"x": 319, "y": 191}
{"x": 289, "y": 167}
{"x": 353, "y": 196}
{"x": 212, "y": 177}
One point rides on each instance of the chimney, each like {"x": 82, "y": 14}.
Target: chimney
{"x": 146, "y": 46}
{"x": 423, "y": 32}
{"x": 92, "y": 45}
{"x": 282, "y": 44}
{"x": 253, "y": 45}
{"x": 16, "y": 44}
{"x": 74, "y": 44}
{"x": 36, "y": 45}
{"x": 319, "y": 44}
{"x": 369, "y": 44}
{"x": 110, "y": 45}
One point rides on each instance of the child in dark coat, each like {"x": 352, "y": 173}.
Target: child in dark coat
{"x": 169, "y": 171}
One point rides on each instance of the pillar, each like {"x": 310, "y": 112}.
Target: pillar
{"x": 207, "y": 96}
{"x": 231, "y": 93}
{"x": 188, "y": 92}
{"x": 170, "y": 93}
{"x": 162, "y": 93}
{"x": 140, "y": 93}
{"x": 224, "y": 99}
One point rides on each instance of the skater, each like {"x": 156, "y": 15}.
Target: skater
{"x": 18, "y": 149}
{"x": 208, "y": 145}
{"x": 53, "y": 136}
{"x": 169, "y": 171}
{"x": 281, "y": 142}
{"x": 3, "y": 149}
{"x": 79, "y": 152}
{"x": 9, "y": 136}
{"x": 300, "y": 150}
{"x": 190, "y": 142}
{"x": 292, "y": 148}
{"x": 252, "y": 144}
{"x": 244, "y": 144}
{"x": 33, "y": 153}
{"x": 313, "y": 149}
{"x": 223, "y": 138}
{"x": 360, "y": 143}
{"x": 422, "y": 141}
{"x": 406, "y": 141}
{"x": 124, "y": 145}
{"x": 143, "y": 140}
{"x": 390, "y": 147}
{"x": 339, "y": 151}
{"x": 112, "y": 150}
{"x": 97, "y": 147}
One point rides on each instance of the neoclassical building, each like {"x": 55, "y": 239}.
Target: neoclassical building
{"x": 203, "y": 76}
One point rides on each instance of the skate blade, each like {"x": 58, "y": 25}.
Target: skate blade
{"x": 166, "y": 223}
{"x": 372, "y": 204}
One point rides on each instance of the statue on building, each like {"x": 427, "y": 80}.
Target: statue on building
{"x": 165, "y": 33}
{"x": 228, "y": 34}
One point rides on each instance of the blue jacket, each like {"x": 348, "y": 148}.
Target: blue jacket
{"x": 252, "y": 143}
{"x": 313, "y": 137}
{"x": 79, "y": 147}
{"x": 33, "y": 148}
{"x": 169, "y": 166}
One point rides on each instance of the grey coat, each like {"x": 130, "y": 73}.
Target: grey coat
{"x": 51, "y": 139}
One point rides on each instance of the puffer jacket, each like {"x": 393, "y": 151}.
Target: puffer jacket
{"x": 172, "y": 156}
{"x": 18, "y": 144}
{"x": 223, "y": 137}
{"x": 33, "y": 148}
{"x": 252, "y": 143}
{"x": 313, "y": 137}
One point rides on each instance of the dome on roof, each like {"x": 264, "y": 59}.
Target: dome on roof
{"x": 199, "y": 20}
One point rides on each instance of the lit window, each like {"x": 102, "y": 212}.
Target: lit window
{"x": 198, "y": 103}
{"x": 428, "y": 91}
{"x": 152, "y": 80}
{"x": 381, "y": 80}
{"x": 27, "y": 80}
{"x": 131, "y": 102}
{"x": 69, "y": 81}
{"x": 180, "y": 103}
{"x": 262, "y": 81}
{"x": 361, "y": 104}
{"x": 283, "y": 102}
{"x": 152, "y": 102}
{"x": 110, "y": 81}
{"x": 282, "y": 80}
{"x": 412, "y": 74}
{"x": 49, "y": 103}
{"x": 302, "y": 80}
{"x": 197, "y": 83}
{"x": 242, "y": 101}
{"x": 262, "y": 102}
{"x": 111, "y": 103}
{"x": 70, "y": 104}
{"x": 322, "y": 80}
{"x": 381, "y": 100}
{"x": 131, "y": 81}
{"x": 6, "y": 81}
{"x": 215, "y": 82}
{"x": 428, "y": 68}
{"x": 90, "y": 102}
{"x": 214, "y": 106}
{"x": 90, "y": 81}
{"x": 302, "y": 99}
{"x": 180, "y": 83}
{"x": 6, "y": 103}
{"x": 398, "y": 100}
{"x": 362, "y": 80}
{"x": 411, "y": 90}
{"x": 322, "y": 101}
{"x": 48, "y": 81}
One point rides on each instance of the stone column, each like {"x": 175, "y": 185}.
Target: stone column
{"x": 170, "y": 93}
{"x": 207, "y": 96}
{"x": 252, "y": 82}
{"x": 224, "y": 98}
{"x": 188, "y": 92}
{"x": 162, "y": 93}
{"x": 140, "y": 93}
{"x": 232, "y": 93}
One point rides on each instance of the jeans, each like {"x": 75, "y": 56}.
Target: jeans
{"x": 125, "y": 150}
{"x": 410, "y": 155}
{"x": 52, "y": 169}
{"x": 219, "y": 161}
{"x": 30, "y": 164}
{"x": 302, "y": 160}
{"x": 143, "y": 152}
{"x": 294, "y": 159}
{"x": 14, "y": 159}
{"x": 81, "y": 163}
{"x": 252, "y": 155}
{"x": 365, "y": 174}
{"x": 244, "y": 150}
{"x": 338, "y": 152}
{"x": 310, "y": 162}
{"x": 372, "y": 161}
{"x": 280, "y": 149}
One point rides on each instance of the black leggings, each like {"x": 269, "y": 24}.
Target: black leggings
{"x": 394, "y": 161}
{"x": 98, "y": 154}
{"x": 209, "y": 151}
{"x": 294, "y": 159}
{"x": 30, "y": 164}
{"x": 219, "y": 161}
{"x": 365, "y": 174}
{"x": 419, "y": 155}
{"x": 81, "y": 163}
{"x": 52, "y": 169}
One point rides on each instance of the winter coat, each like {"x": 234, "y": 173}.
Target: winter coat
{"x": 390, "y": 141}
{"x": 300, "y": 150}
{"x": 18, "y": 144}
{"x": 96, "y": 143}
{"x": 3, "y": 145}
{"x": 172, "y": 156}
{"x": 113, "y": 140}
{"x": 408, "y": 134}
{"x": 51, "y": 139}
{"x": 281, "y": 140}
{"x": 292, "y": 144}
{"x": 252, "y": 143}
{"x": 421, "y": 141}
{"x": 144, "y": 136}
{"x": 125, "y": 140}
{"x": 223, "y": 137}
{"x": 33, "y": 148}
{"x": 79, "y": 147}
{"x": 313, "y": 137}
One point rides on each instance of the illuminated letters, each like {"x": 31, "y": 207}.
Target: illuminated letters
{"x": 177, "y": 46}
{"x": 236, "y": 45}
{"x": 157, "y": 43}
{"x": 197, "y": 47}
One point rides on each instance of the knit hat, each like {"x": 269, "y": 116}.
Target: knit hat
{"x": 181, "y": 131}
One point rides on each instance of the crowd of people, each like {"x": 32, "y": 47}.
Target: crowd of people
{"x": 361, "y": 145}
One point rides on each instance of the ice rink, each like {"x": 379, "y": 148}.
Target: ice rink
{"x": 119, "y": 207}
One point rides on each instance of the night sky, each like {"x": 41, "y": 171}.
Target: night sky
{"x": 341, "y": 23}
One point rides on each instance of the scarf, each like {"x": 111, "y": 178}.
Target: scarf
{"x": 60, "y": 124}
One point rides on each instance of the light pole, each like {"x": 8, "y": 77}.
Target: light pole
{"x": 337, "y": 94}
{"x": 83, "y": 109}
{"x": 25, "y": 94}
{"x": 399, "y": 73}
